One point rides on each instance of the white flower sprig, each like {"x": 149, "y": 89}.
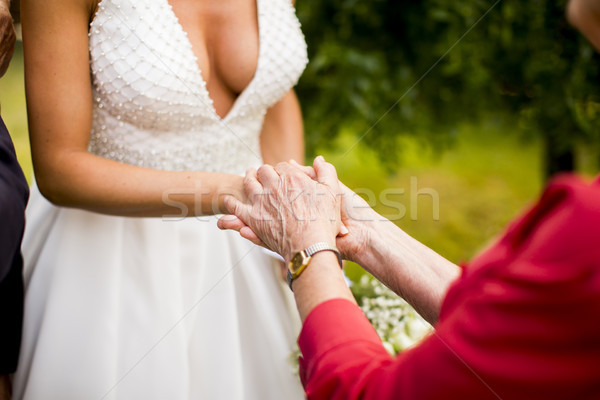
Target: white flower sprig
{"x": 396, "y": 322}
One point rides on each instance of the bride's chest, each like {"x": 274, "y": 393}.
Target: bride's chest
{"x": 146, "y": 71}
{"x": 224, "y": 36}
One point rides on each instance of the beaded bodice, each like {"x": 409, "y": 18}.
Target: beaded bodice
{"x": 151, "y": 105}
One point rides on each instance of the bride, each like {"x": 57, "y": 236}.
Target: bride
{"x": 141, "y": 113}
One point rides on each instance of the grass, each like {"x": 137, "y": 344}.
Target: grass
{"x": 482, "y": 182}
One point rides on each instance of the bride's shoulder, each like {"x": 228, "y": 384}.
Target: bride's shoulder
{"x": 51, "y": 20}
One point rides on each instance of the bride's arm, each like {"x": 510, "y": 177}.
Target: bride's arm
{"x": 59, "y": 103}
{"x": 282, "y": 136}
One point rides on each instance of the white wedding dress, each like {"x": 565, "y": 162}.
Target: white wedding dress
{"x": 163, "y": 308}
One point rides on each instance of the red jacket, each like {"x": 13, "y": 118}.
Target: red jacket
{"x": 523, "y": 321}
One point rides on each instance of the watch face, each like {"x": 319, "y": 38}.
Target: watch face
{"x": 297, "y": 262}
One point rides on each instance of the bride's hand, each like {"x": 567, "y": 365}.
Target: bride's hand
{"x": 235, "y": 189}
{"x": 232, "y": 222}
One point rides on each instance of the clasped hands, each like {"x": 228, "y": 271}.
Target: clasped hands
{"x": 291, "y": 207}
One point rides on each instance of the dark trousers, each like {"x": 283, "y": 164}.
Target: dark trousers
{"x": 14, "y": 193}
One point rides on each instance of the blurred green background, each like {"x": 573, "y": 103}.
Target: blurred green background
{"x": 478, "y": 102}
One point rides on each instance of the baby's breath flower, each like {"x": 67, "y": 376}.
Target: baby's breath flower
{"x": 394, "y": 320}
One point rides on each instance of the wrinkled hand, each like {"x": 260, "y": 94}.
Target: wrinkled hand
{"x": 287, "y": 210}
{"x": 356, "y": 213}
{"x": 7, "y": 38}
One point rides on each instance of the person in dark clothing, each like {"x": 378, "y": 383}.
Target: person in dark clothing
{"x": 14, "y": 192}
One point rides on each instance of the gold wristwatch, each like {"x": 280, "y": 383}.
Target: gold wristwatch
{"x": 300, "y": 261}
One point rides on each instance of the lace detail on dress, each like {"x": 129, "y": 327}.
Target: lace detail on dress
{"x": 151, "y": 105}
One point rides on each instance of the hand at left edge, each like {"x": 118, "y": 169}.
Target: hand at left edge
{"x": 8, "y": 37}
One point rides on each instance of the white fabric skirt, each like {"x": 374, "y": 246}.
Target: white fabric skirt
{"x": 146, "y": 308}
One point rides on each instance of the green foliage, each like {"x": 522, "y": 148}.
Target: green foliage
{"x": 433, "y": 64}
{"x": 482, "y": 183}
{"x": 547, "y": 71}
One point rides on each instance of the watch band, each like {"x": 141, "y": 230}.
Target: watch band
{"x": 309, "y": 252}
{"x": 320, "y": 246}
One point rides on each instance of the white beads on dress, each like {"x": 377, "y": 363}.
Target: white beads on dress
{"x": 151, "y": 104}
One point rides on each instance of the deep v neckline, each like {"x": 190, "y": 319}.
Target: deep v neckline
{"x": 198, "y": 71}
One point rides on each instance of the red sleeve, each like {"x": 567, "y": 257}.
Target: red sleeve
{"x": 344, "y": 359}
{"x": 520, "y": 323}
{"x": 341, "y": 350}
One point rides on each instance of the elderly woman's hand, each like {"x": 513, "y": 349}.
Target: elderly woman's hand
{"x": 287, "y": 209}
{"x": 7, "y": 37}
{"x": 357, "y": 215}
